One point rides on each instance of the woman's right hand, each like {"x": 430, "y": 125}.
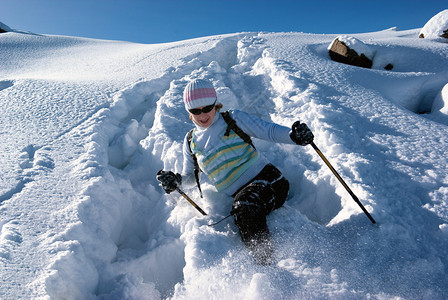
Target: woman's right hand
{"x": 301, "y": 134}
{"x": 169, "y": 181}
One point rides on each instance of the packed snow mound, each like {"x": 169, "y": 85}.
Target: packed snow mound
{"x": 86, "y": 125}
{"x": 441, "y": 101}
{"x": 436, "y": 27}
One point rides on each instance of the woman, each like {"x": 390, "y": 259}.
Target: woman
{"x": 233, "y": 165}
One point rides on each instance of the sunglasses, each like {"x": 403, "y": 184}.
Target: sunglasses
{"x": 205, "y": 109}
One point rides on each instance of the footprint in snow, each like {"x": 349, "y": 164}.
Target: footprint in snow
{"x": 9, "y": 237}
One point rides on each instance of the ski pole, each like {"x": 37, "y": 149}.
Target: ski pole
{"x": 191, "y": 201}
{"x": 343, "y": 182}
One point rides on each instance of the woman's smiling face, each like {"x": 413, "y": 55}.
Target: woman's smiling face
{"x": 204, "y": 119}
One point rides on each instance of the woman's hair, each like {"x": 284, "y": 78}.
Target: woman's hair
{"x": 218, "y": 107}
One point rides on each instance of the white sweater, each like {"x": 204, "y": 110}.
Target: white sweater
{"x": 208, "y": 140}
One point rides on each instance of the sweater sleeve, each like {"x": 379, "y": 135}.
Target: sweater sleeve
{"x": 258, "y": 128}
{"x": 188, "y": 178}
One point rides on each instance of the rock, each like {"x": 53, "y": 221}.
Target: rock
{"x": 389, "y": 67}
{"x": 436, "y": 27}
{"x": 349, "y": 50}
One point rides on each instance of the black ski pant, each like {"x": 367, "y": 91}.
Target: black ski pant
{"x": 254, "y": 201}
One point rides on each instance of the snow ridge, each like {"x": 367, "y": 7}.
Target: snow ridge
{"x": 113, "y": 234}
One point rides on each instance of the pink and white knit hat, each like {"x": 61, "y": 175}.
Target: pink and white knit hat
{"x": 198, "y": 93}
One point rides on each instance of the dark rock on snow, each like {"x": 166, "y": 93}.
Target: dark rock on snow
{"x": 340, "y": 52}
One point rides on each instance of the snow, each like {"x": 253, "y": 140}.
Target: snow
{"x": 86, "y": 124}
{"x": 436, "y": 27}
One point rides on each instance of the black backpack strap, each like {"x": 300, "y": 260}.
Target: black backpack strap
{"x": 231, "y": 125}
{"x": 195, "y": 160}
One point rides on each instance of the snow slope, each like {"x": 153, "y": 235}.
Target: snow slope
{"x": 86, "y": 124}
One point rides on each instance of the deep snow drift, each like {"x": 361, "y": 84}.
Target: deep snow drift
{"x": 86, "y": 124}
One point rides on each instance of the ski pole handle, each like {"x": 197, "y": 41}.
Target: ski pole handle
{"x": 191, "y": 201}
{"x": 343, "y": 182}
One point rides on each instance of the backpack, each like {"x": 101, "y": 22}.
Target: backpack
{"x": 231, "y": 125}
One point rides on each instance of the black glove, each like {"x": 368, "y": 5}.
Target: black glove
{"x": 301, "y": 134}
{"x": 168, "y": 180}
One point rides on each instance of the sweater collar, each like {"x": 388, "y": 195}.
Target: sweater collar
{"x": 215, "y": 119}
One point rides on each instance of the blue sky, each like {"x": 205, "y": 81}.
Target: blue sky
{"x": 159, "y": 21}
